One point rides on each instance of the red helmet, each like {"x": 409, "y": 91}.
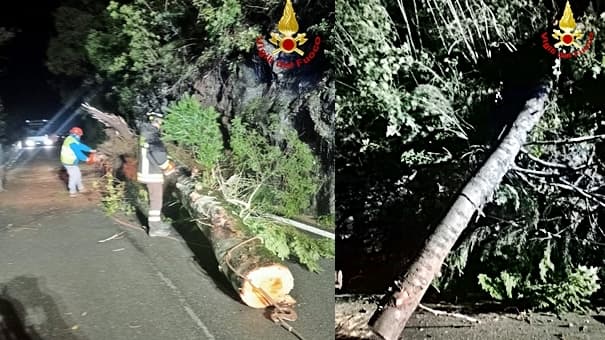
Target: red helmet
{"x": 76, "y": 131}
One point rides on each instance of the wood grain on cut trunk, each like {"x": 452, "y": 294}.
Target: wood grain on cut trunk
{"x": 390, "y": 320}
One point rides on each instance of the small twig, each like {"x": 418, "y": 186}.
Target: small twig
{"x": 139, "y": 228}
{"x": 126, "y": 224}
{"x": 114, "y": 236}
{"x": 567, "y": 141}
{"x": 511, "y": 222}
{"x": 339, "y": 296}
{"x": 543, "y": 162}
{"x": 290, "y": 329}
{"x": 197, "y": 220}
{"x": 237, "y": 202}
{"x": 302, "y": 226}
{"x": 535, "y": 172}
{"x": 254, "y": 193}
{"x": 571, "y": 187}
{"x": 456, "y": 315}
{"x": 591, "y": 242}
{"x": 24, "y": 228}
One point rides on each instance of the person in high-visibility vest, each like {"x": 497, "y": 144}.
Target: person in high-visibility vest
{"x": 153, "y": 165}
{"x": 73, "y": 151}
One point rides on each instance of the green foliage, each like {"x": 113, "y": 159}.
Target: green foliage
{"x": 287, "y": 242}
{"x": 327, "y": 221}
{"x": 141, "y": 48}
{"x": 507, "y": 194}
{"x": 153, "y": 51}
{"x": 402, "y": 95}
{"x": 195, "y": 128}
{"x": 501, "y": 287}
{"x": 286, "y": 172}
{"x": 475, "y": 29}
{"x": 113, "y": 195}
{"x": 225, "y": 28}
{"x": 569, "y": 292}
{"x": 422, "y": 92}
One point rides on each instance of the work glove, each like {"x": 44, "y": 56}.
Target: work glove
{"x": 169, "y": 169}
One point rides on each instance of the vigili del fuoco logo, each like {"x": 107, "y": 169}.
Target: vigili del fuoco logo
{"x": 569, "y": 37}
{"x": 288, "y": 50}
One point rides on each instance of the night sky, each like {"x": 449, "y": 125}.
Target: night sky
{"x": 24, "y": 80}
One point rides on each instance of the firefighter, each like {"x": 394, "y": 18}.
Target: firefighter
{"x": 153, "y": 165}
{"x": 73, "y": 151}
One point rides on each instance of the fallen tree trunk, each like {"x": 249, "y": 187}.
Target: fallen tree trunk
{"x": 241, "y": 256}
{"x": 390, "y": 320}
{"x": 244, "y": 260}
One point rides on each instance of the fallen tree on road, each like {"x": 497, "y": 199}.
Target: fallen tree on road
{"x": 390, "y": 320}
{"x": 246, "y": 263}
{"x": 241, "y": 257}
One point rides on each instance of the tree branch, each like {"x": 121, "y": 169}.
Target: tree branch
{"x": 569, "y": 186}
{"x": 456, "y": 315}
{"x": 535, "y": 172}
{"x": 543, "y": 162}
{"x": 567, "y": 141}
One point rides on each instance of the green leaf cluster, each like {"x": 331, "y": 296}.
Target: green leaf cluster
{"x": 196, "y": 128}
{"x": 417, "y": 113}
{"x": 287, "y": 242}
{"x": 563, "y": 292}
{"x": 286, "y": 170}
{"x": 226, "y": 30}
{"x": 113, "y": 195}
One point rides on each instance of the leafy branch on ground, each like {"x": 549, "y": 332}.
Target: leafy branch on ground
{"x": 263, "y": 175}
{"x": 113, "y": 195}
{"x": 545, "y": 290}
{"x": 287, "y": 242}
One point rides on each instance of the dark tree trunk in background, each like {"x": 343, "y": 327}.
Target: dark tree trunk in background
{"x": 390, "y": 320}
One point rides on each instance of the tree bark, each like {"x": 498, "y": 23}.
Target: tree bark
{"x": 239, "y": 255}
{"x": 390, "y": 320}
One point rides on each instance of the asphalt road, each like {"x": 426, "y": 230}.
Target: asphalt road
{"x": 57, "y": 281}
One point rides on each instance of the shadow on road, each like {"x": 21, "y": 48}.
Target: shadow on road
{"x": 200, "y": 246}
{"x": 599, "y": 318}
{"x": 62, "y": 175}
{"x": 194, "y": 238}
{"x": 11, "y": 325}
{"x": 28, "y": 313}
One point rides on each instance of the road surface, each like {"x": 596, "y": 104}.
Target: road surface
{"x": 57, "y": 281}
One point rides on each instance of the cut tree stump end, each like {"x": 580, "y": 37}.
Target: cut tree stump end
{"x": 276, "y": 280}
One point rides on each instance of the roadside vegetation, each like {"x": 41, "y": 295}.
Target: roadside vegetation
{"x": 148, "y": 55}
{"x": 428, "y": 89}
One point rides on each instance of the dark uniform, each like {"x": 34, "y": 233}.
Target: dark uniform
{"x": 153, "y": 164}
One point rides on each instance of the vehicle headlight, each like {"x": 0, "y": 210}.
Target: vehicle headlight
{"x": 30, "y": 142}
{"x": 48, "y": 142}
